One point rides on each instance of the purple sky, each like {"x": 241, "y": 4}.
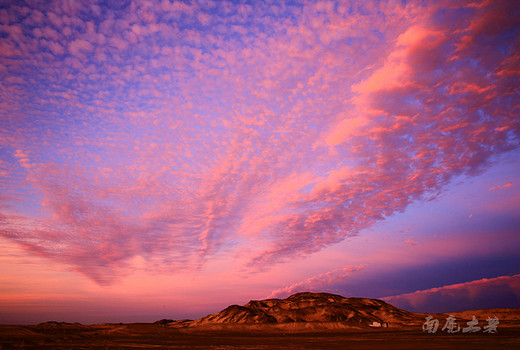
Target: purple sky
{"x": 165, "y": 159}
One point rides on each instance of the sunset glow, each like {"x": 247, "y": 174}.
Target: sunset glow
{"x": 165, "y": 159}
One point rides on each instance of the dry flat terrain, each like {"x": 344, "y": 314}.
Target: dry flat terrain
{"x": 150, "y": 336}
{"x": 302, "y": 321}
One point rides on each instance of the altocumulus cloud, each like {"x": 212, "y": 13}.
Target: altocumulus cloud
{"x": 173, "y": 130}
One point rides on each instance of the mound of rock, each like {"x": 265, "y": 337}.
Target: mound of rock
{"x": 311, "y": 307}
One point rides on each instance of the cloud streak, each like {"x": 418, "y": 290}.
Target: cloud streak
{"x": 319, "y": 283}
{"x": 501, "y": 187}
{"x": 496, "y": 292}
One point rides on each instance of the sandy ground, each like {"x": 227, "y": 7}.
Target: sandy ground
{"x": 152, "y": 336}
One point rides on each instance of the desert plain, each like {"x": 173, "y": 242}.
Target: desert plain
{"x": 301, "y": 321}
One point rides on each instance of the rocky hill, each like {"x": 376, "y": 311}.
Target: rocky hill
{"x": 310, "y": 308}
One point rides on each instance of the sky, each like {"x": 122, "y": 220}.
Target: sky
{"x": 166, "y": 159}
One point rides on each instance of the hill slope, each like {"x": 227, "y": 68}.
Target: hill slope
{"x": 311, "y": 307}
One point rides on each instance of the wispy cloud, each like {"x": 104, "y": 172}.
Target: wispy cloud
{"x": 319, "y": 283}
{"x": 501, "y": 187}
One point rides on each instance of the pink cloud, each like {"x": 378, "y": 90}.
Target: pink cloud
{"x": 319, "y": 283}
{"x": 271, "y": 138}
{"x": 79, "y": 47}
{"x": 55, "y": 19}
{"x": 406, "y": 160}
{"x": 501, "y": 187}
{"x": 55, "y": 47}
{"x": 410, "y": 242}
{"x": 344, "y": 129}
{"x": 496, "y": 292}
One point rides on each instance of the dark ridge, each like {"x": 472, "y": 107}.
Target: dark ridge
{"x": 309, "y": 295}
{"x": 164, "y": 321}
